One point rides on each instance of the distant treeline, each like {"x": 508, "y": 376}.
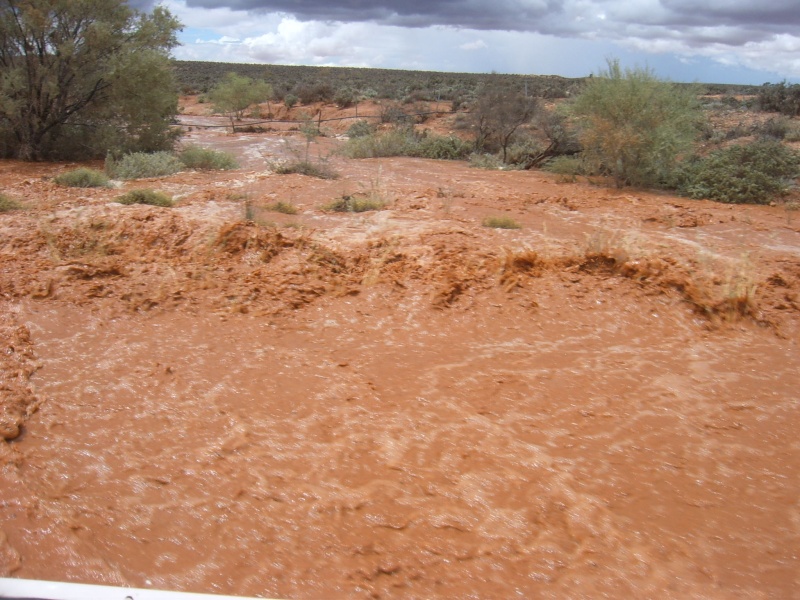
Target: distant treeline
{"x": 323, "y": 83}
{"x": 310, "y": 84}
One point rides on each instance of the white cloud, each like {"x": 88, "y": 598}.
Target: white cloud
{"x": 476, "y": 45}
{"x": 574, "y": 38}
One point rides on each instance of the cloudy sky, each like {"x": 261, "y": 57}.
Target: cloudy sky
{"x": 725, "y": 41}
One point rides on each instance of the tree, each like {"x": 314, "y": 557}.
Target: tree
{"x": 634, "y": 127}
{"x": 82, "y": 77}
{"x": 235, "y": 94}
{"x": 497, "y": 114}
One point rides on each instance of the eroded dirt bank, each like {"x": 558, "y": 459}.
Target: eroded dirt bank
{"x": 400, "y": 403}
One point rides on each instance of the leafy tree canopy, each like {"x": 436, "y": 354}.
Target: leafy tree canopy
{"x": 79, "y": 78}
{"x": 634, "y": 125}
{"x": 235, "y": 94}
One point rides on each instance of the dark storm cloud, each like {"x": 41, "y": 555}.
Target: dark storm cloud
{"x": 518, "y": 15}
{"x": 747, "y": 14}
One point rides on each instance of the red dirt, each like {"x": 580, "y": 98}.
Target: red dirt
{"x": 400, "y": 403}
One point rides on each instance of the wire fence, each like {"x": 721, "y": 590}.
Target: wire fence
{"x": 319, "y": 120}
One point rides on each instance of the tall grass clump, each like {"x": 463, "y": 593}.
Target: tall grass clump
{"x": 501, "y": 222}
{"x": 82, "y": 178}
{"x": 286, "y": 208}
{"x": 150, "y": 197}
{"x": 8, "y": 204}
{"x": 754, "y": 173}
{"x": 206, "y": 159}
{"x": 142, "y": 165}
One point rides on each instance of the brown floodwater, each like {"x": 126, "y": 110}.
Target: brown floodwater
{"x": 402, "y": 403}
{"x": 363, "y": 448}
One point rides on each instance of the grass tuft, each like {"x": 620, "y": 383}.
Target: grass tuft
{"x": 8, "y": 204}
{"x": 306, "y": 167}
{"x": 285, "y": 208}
{"x": 501, "y": 223}
{"x": 150, "y": 197}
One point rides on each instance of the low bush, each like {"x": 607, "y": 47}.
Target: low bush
{"x": 306, "y": 167}
{"x": 780, "y": 97}
{"x": 754, "y": 173}
{"x": 523, "y": 152}
{"x": 82, "y": 178}
{"x": 395, "y": 142}
{"x": 776, "y": 128}
{"x": 501, "y": 223}
{"x": 141, "y": 165}
{"x": 206, "y": 159}
{"x": 566, "y": 167}
{"x": 316, "y": 92}
{"x": 441, "y": 147}
{"x": 360, "y": 129}
{"x": 150, "y": 197}
{"x": 8, "y": 204}
{"x": 345, "y": 97}
{"x": 290, "y": 100}
{"x": 406, "y": 142}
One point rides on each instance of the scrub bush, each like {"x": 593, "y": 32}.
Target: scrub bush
{"x": 195, "y": 157}
{"x": 140, "y": 165}
{"x": 82, "y": 178}
{"x": 754, "y": 173}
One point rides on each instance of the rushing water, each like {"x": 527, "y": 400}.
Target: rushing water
{"x": 602, "y": 445}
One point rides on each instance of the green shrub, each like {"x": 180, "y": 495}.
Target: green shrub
{"x": 395, "y": 142}
{"x": 441, "y": 147}
{"x": 523, "y": 151}
{"x": 354, "y": 203}
{"x": 82, "y": 178}
{"x": 566, "y": 167}
{"x": 141, "y": 165}
{"x": 8, "y": 204}
{"x": 776, "y": 128}
{"x": 405, "y": 142}
{"x": 290, "y": 100}
{"x": 151, "y": 197}
{"x": 360, "y": 129}
{"x": 635, "y": 126}
{"x": 345, "y": 97}
{"x": 780, "y": 97}
{"x": 754, "y": 173}
{"x": 501, "y": 223}
{"x": 195, "y": 157}
{"x": 306, "y": 167}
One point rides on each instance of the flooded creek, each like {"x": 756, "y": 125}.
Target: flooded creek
{"x": 360, "y": 450}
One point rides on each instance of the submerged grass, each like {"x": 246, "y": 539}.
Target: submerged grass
{"x": 146, "y": 196}
{"x": 8, "y": 204}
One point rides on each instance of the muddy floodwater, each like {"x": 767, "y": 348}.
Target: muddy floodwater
{"x": 401, "y": 403}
